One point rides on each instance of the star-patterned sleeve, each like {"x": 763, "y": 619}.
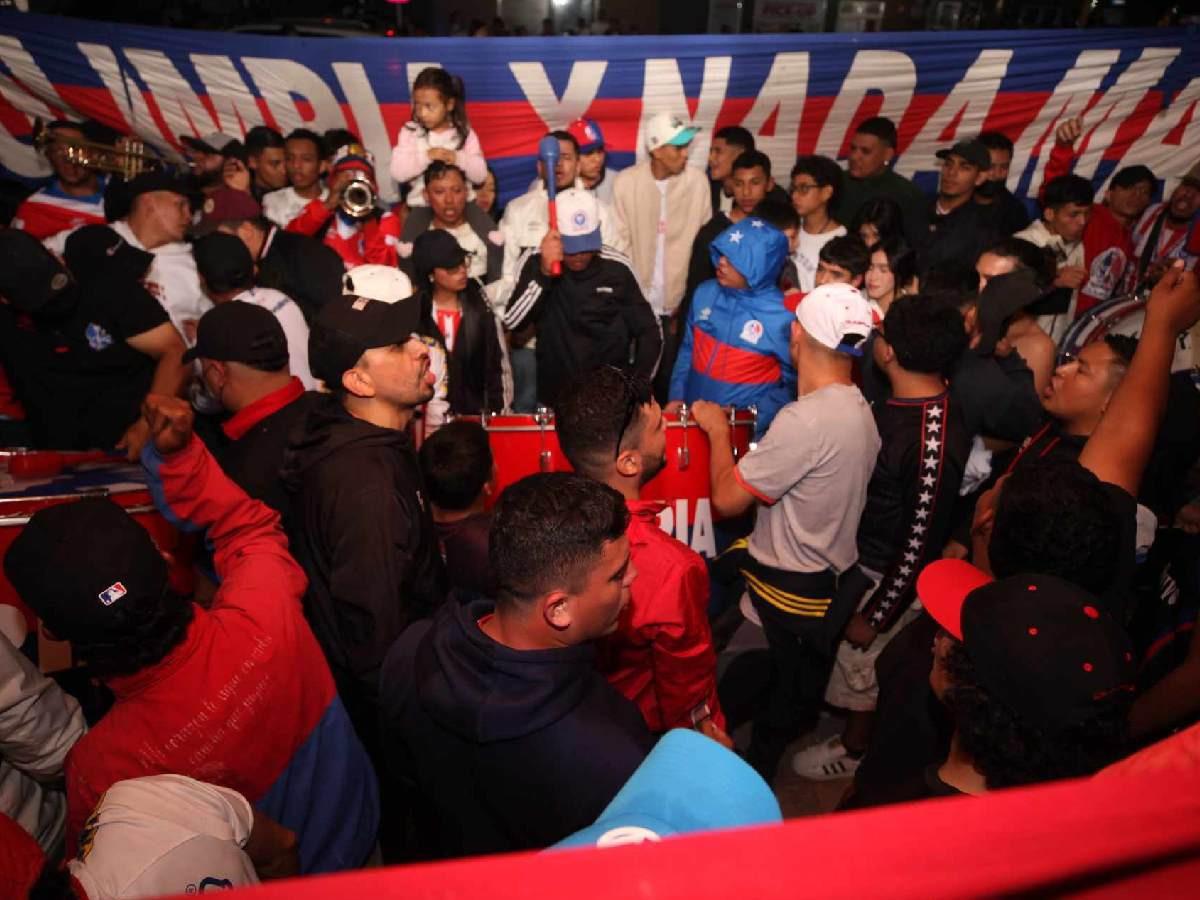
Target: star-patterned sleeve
{"x": 930, "y": 480}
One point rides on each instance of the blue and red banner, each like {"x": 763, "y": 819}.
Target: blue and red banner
{"x": 1136, "y": 89}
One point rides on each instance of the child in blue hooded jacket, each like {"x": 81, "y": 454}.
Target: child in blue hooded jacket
{"x": 735, "y": 346}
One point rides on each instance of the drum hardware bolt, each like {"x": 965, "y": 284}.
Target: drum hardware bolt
{"x": 545, "y": 457}
{"x": 683, "y": 454}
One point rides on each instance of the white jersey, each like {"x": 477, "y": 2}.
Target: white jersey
{"x": 285, "y": 204}
{"x": 295, "y": 329}
{"x": 173, "y": 280}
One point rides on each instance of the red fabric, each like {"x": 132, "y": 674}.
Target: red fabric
{"x": 661, "y": 656}
{"x": 1109, "y": 258}
{"x": 21, "y": 859}
{"x": 247, "y": 417}
{"x": 232, "y": 704}
{"x": 373, "y": 241}
{"x": 10, "y": 406}
{"x": 1073, "y": 838}
{"x": 1107, "y": 244}
{"x": 45, "y": 214}
{"x": 1180, "y": 753}
{"x": 732, "y": 365}
{"x": 311, "y": 219}
{"x": 448, "y": 322}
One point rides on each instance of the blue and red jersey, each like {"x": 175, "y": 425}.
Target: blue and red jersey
{"x": 246, "y": 701}
{"x": 735, "y": 348}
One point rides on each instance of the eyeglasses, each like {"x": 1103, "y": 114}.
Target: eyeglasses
{"x": 805, "y": 188}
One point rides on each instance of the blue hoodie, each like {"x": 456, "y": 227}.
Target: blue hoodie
{"x": 735, "y": 349}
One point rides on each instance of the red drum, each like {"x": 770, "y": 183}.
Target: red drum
{"x": 525, "y": 444}
{"x": 22, "y": 496}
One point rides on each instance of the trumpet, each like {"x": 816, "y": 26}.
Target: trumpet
{"x": 127, "y": 159}
{"x": 358, "y": 198}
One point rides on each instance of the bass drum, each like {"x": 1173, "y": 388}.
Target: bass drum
{"x": 525, "y": 444}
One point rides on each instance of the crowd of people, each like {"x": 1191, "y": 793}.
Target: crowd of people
{"x": 968, "y": 530}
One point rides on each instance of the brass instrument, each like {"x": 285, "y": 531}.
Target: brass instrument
{"x": 358, "y": 199}
{"x": 128, "y": 159}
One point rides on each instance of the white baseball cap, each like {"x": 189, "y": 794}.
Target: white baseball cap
{"x": 386, "y": 284}
{"x": 836, "y": 315}
{"x": 667, "y": 128}
{"x": 579, "y": 221}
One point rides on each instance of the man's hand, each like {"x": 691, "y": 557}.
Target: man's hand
{"x": 1069, "y": 131}
{"x": 235, "y": 174}
{"x": 711, "y": 419}
{"x": 337, "y": 187}
{"x": 134, "y": 439}
{"x": 442, "y": 154}
{"x": 1188, "y": 518}
{"x": 1175, "y": 300}
{"x": 954, "y": 550}
{"x": 673, "y": 408}
{"x": 860, "y": 633}
{"x": 1072, "y": 277}
{"x": 709, "y": 728}
{"x": 169, "y": 421}
{"x": 551, "y": 251}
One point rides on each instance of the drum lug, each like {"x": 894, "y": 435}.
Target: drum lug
{"x": 683, "y": 454}
{"x": 545, "y": 457}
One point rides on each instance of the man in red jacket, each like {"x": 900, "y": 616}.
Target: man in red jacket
{"x": 1108, "y": 250}
{"x": 238, "y": 694}
{"x": 661, "y": 656}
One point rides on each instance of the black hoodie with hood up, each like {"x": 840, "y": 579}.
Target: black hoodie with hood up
{"x": 359, "y": 525}
{"x": 507, "y": 749}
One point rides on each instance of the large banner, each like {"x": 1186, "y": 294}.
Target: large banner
{"x": 1136, "y": 89}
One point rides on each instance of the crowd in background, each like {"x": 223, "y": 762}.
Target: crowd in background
{"x": 967, "y": 518}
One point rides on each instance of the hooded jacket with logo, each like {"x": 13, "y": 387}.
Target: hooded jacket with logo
{"x": 508, "y": 749}
{"x": 360, "y": 527}
{"x": 735, "y": 348}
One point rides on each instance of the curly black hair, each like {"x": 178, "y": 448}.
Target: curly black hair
{"x": 1009, "y": 751}
{"x": 925, "y": 333}
{"x": 597, "y": 410}
{"x": 145, "y": 629}
{"x": 1054, "y": 517}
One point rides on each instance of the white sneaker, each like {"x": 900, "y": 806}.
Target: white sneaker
{"x": 825, "y": 761}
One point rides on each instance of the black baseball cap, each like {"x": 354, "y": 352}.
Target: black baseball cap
{"x": 973, "y": 151}
{"x": 80, "y": 565}
{"x": 436, "y": 249}
{"x": 1004, "y": 297}
{"x": 31, "y": 277}
{"x": 158, "y": 180}
{"x": 1040, "y": 645}
{"x": 348, "y": 326}
{"x": 95, "y": 251}
{"x": 223, "y": 262}
{"x": 242, "y": 333}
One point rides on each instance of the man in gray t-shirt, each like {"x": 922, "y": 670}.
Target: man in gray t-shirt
{"x": 809, "y": 475}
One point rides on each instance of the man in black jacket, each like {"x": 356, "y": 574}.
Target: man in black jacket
{"x": 494, "y": 712}
{"x": 243, "y": 356}
{"x": 959, "y": 228}
{"x": 589, "y": 308}
{"x": 298, "y": 265}
{"x": 359, "y": 523}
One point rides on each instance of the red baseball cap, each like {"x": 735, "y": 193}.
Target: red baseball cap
{"x": 942, "y": 588}
{"x": 226, "y": 204}
{"x": 587, "y": 132}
